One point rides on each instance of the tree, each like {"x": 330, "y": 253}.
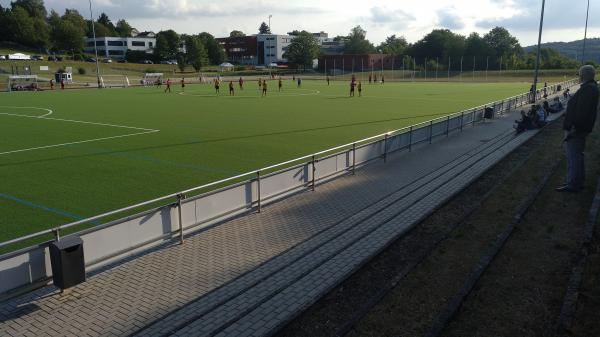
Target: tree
{"x": 67, "y": 32}
{"x": 34, "y": 8}
{"x": 123, "y": 28}
{"x": 196, "y": 53}
{"x": 4, "y": 28}
{"x": 502, "y": 43}
{"x": 357, "y": 43}
{"x": 27, "y": 30}
{"x": 237, "y": 33}
{"x": 476, "y": 48}
{"x": 167, "y": 45}
{"x": 264, "y": 29}
{"x": 303, "y": 50}
{"x": 103, "y": 20}
{"x": 393, "y": 45}
{"x": 216, "y": 53}
{"x": 440, "y": 43}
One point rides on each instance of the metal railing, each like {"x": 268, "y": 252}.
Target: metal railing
{"x": 471, "y": 115}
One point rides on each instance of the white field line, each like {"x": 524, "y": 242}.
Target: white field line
{"x": 50, "y": 112}
{"x": 309, "y": 93}
{"x": 144, "y": 130}
{"x": 79, "y": 142}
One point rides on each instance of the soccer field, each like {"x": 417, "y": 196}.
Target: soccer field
{"x": 66, "y": 155}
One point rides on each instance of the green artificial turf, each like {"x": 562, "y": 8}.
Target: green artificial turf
{"x": 202, "y": 138}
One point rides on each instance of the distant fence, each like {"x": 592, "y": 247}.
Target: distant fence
{"x": 201, "y": 207}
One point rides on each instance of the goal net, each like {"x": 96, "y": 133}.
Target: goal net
{"x": 114, "y": 81}
{"x": 22, "y": 83}
{"x": 151, "y": 79}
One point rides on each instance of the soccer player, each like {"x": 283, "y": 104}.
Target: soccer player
{"x": 352, "y": 84}
{"x": 51, "y": 84}
{"x": 370, "y": 79}
{"x": 375, "y": 79}
{"x": 299, "y": 82}
{"x": 217, "y": 85}
{"x": 264, "y": 88}
{"x": 183, "y": 84}
{"x": 260, "y": 81}
{"x": 382, "y": 79}
{"x": 241, "y": 81}
{"x": 327, "y": 80}
{"x": 168, "y": 88}
{"x": 280, "y": 84}
{"x": 62, "y": 84}
{"x": 359, "y": 89}
{"x": 231, "y": 90}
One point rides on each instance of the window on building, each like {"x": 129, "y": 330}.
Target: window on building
{"x": 99, "y": 43}
{"x": 150, "y": 44}
{"x": 115, "y": 43}
{"x": 138, "y": 43}
{"x": 116, "y": 52}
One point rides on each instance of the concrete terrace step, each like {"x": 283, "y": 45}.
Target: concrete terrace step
{"x": 412, "y": 202}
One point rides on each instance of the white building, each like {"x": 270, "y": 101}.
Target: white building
{"x": 117, "y": 47}
{"x": 272, "y": 46}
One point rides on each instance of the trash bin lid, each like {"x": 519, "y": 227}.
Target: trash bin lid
{"x": 67, "y": 242}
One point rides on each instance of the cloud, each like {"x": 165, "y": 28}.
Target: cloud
{"x": 184, "y": 9}
{"x": 527, "y": 17}
{"x": 395, "y": 18}
{"x": 447, "y": 18}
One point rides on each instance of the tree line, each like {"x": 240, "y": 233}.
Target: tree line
{"x": 440, "y": 49}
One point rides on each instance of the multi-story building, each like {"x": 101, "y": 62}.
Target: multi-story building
{"x": 271, "y": 48}
{"x": 117, "y": 47}
{"x": 241, "y": 50}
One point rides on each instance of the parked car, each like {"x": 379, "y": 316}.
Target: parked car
{"x": 147, "y": 62}
{"x": 55, "y": 58}
{"x": 107, "y": 61}
{"x": 90, "y": 59}
{"x": 2, "y": 57}
{"x": 122, "y": 61}
{"x": 37, "y": 58}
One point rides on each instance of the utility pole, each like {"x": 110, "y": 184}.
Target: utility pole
{"x": 537, "y": 61}
{"x": 95, "y": 46}
{"x": 585, "y": 34}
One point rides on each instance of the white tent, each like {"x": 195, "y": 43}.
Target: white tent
{"x": 226, "y": 66}
{"x": 19, "y": 56}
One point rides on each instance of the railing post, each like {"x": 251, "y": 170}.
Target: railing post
{"x": 385, "y": 148}
{"x": 473, "y": 119}
{"x": 462, "y": 120}
{"x": 447, "y": 126}
{"x": 354, "y": 159}
{"x": 410, "y": 139}
{"x": 258, "y": 191}
{"x": 430, "y": 131}
{"x": 56, "y": 233}
{"x": 180, "y": 197}
{"x": 314, "y": 169}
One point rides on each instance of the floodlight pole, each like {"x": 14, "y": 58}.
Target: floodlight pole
{"x": 95, "y": 46}
{"x": 537, "y": 61}
{"x": 585, "y": 34}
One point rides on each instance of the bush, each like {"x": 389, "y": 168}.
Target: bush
{"x": 81, "y": 71}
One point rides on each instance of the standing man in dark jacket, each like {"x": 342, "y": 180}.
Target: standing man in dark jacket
{"x": 579, "y": 122}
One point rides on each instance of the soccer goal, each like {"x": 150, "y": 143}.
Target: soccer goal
{"x": 22, "y": 83}
{"x": 114, "y": 81}
{"x": 151, "y": 79}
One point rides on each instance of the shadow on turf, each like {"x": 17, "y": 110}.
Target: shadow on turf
{"x": 217, "y": 140}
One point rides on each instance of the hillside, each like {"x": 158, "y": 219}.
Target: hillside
{"x": 573, "y": 49}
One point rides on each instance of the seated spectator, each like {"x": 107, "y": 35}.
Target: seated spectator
{"x": 567, "y": 93}
{"x": 525, "y": 123}
{"x": 542, "y": 115}
{"x": 556, "y": 107}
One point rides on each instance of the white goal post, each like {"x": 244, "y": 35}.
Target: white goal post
{"x": 114, "y": 81}
{"x": 151, "y": 79}
{"x": 22, "y": 83}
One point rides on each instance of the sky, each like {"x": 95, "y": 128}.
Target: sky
{"x": 564, "y": 20}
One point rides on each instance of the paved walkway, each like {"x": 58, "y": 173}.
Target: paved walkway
{"x": 252, "y": 274}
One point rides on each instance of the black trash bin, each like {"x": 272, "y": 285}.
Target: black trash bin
{"x": 489, "y": 113}
{"x": 68, "y": 265}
